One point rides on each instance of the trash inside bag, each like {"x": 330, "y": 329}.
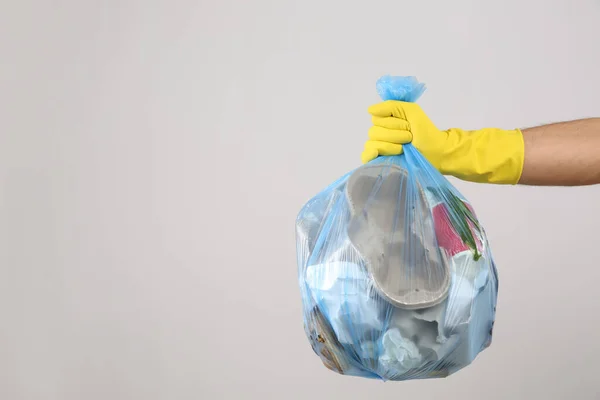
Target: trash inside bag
{"x": 396, "y": 274}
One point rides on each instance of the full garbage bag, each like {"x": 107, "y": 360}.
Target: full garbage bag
{"x": 396, "y": 274}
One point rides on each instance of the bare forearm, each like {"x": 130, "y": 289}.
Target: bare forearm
{"x": 562, "y": 154}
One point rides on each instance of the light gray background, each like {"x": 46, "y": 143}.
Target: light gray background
{"x": 154, "y": 154}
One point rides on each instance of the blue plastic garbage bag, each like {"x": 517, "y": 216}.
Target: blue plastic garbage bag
{"x": 395, "y": 271}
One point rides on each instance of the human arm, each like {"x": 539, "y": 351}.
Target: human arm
{"x": 565, "y": 154}
{"x": 562, "y": 154}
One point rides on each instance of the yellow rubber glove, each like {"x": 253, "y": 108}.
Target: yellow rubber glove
{"x": 486, "y": 156}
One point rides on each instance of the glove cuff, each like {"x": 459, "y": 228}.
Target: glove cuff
{"x": 485, "y": 156}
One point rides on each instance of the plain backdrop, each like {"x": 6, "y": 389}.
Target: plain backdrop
{"x": 154, "y": 156}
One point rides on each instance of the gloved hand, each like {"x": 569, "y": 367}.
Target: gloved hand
{"x": 487, "y": 156}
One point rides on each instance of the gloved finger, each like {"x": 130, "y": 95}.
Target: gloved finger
{"x": 391, "y": 123}
{"x": 389, "y": 108}
{"x": 383, "y": 148}
{"x": 368, "y": 155}
{"x": 376, "y": 149}
{"x": 396, "y": 136}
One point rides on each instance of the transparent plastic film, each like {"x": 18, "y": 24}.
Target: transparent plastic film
{"x": 395, "y": 271}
